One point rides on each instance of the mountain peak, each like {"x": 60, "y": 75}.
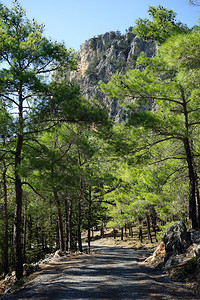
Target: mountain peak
{"x": 99, "y": 58}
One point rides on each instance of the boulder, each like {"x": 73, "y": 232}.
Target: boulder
{"x": 195, "y": 237}
{"x": 176, "y": 239}
{"x": 197, "y": 251}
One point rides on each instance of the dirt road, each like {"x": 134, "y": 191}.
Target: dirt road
{"x": 110, "y": 273}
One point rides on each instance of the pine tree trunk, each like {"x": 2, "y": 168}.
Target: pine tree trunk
{"x": 192, "y": 185}
{"x": 18, "y": 213}
{"x": 102, "y": 230}
{"x": 140, "y": 231}
{"x": 6, "y": 265}
{"x": 130, "y": 230}
{"x": 154, "y": 221}
{"x": 66, "y": 225}
{"x": 89, "y": 236}
{"x": 114, "y": 233}
{"x": 79, "y": 219}
{"x": 60, "y": 222}
{"x": 17, "y": 230}
{"x": 70, "y": 225}
{"x": 30, "y": 230}
{"x": 125, "y": 229}
{"x": 198, "y": 201}
{"x": 191, "y": 170}
{"x": 25, "y": 227}
{"x": 92, "y": 232}
{"x": 122, "y": 233}
{"x": 149, "y": 228}
{"x": 89, "y": 217}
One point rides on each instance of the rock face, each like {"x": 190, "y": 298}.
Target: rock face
{"x": 176, "y": 239}
{"x": 100, "y": 57}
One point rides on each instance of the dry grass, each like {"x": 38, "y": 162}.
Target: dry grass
{"x": 127, "y": 242}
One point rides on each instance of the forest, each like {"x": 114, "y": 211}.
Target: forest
{"x": 66, "y": 167}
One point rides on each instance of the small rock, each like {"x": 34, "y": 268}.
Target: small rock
{"x": 7, "y": 291}
{"x": 58, "y": 253}
{"x": 169, "y": 263}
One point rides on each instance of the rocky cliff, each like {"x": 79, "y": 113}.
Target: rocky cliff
{"x": 100, "y": 57}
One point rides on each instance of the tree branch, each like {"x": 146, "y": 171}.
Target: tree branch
{"x": 34, "y": 190}
{"x": 10, "y": 99}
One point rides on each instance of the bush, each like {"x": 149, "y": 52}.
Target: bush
{"x": 93, "y": 43}
{"x": 92, "y": 66}
{"x": 190, "y": 266}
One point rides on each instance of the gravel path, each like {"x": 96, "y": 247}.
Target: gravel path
{"x": 110, "y": 273}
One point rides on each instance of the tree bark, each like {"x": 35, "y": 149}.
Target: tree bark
{"x": 122, "y": 233}
{"x": 125, "y": 229}
{"x": 70, "y": 225}
{"x": 102, "y": 230}
{"x": 198, "y": 199}
{"x": 114, "y": 233}
{"x": 192, "y": 185}
{"x": 191, "y": 169}
{"x": 140, "y": 231}
{"x": 25, "y": 228}
{"x": 79, "y": 218}
{"x": 60, "y": 222}
{"x": 6, "y": 264}
{"x": 18, "y": 212}
{"x": 89, "y": 217}
{"x": 153, "y": 220}
{"x": 66, "y": 225}
{"x": 149, "y": 228}
{"x": 130, "y": 230}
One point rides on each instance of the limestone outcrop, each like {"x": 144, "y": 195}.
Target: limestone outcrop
{"x": 178, "y": 255}
{"x": 176, "y": 239}
{"x": 101, "y": 57}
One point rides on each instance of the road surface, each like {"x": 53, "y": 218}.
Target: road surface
{"x": 110, "y": 273}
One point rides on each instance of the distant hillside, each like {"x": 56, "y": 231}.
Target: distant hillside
{"x": 100, "y": 57}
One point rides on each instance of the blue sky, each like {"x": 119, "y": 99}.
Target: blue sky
{"x": 74, "y": 21}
